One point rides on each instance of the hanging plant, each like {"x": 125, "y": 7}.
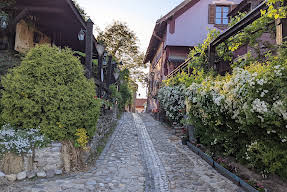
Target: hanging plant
{"x": 3, "y": 14}
{"x": 3, "y": 20}
{"x": 6, "y": 3}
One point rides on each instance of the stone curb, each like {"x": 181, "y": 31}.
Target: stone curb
{"x": 221, "y": 169}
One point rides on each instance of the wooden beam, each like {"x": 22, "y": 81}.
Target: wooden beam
{"x": 41, "y": 9}
{"x": 248, "y": 19}
{"x": 281, "y": 31}
{"x": 20, "y": 16}
{"x": 156, "y": 36}
{"x": 89, "y": 49}
{"x": 211, "y": 57}
{"x": 76, "y": 12}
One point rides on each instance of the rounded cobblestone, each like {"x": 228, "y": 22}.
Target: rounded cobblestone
{"x": 141, "y": 156}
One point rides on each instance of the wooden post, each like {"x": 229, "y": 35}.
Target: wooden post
{"x": 281, "y": 31}
{"x": 100, "y": 63}
{"x": 110, "y": 69}
{"x": 89, "y": 48}
{"x": 211, "y": 57}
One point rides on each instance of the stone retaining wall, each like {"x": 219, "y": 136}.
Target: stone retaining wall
{"x": 105, "y": 125}
{"x": 45, "y": 162}
{"x": 48, "y": 162}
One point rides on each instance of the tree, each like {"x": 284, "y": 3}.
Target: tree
{"x": 122, "y": 43}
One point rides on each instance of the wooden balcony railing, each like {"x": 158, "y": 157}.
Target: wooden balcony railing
{"x": 182, "y": 67}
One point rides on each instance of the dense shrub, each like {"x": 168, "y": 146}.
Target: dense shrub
{"x": 172, "y": 102}
{"x": 49, "y": 90}
{"x": 249, "y": 107}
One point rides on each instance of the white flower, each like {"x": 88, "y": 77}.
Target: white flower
{"x": 280, "y": 109}
{"x": 260, "y": 81}
{"x": 260, "y": 106}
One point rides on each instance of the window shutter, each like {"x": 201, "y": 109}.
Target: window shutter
{"x": 211, "y": 13}
{"x": 172, "y": 26}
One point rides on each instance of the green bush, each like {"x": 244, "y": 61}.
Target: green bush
{"x": 126, "y": 95}
{"x": 249, "y": 107}
{"x": 49, "y": 90}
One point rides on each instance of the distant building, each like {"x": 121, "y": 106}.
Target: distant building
{"x": 140, "y": 105}
{"x": 179, "y": 31}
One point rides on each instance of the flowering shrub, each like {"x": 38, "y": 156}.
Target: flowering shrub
{"x": 82, "y": 139}
{"x": 20, "y": 141}
{"x": 249, "y": 107}
{"x": 172, "y": 101}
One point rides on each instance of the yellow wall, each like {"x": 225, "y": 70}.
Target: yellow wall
{"x": 25, "y": 36}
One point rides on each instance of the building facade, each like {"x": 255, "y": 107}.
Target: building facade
{"x": 177, "y": 33}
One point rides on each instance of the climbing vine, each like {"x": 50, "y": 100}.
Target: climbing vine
{"x": 5, "y": 4}
{"x": 242, "y": 114}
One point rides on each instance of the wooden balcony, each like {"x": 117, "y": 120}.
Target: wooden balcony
{"x": 182, "y": 67}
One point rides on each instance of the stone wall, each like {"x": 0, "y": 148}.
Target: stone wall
{"x": 45, "y": 162}
{"x": 48, "y": 162}
{"x": 106, "y": 124}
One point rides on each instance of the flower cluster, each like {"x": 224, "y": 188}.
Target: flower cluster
{"x": 83, "y": 138}
{"x": 172, "y": 101}
{"x": 247, "y": 106}
{"x": 20, "y": 141}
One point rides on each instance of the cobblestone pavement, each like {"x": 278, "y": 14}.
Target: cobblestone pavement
{"x": 142, "y": 155}
{"x": 185, "y": 170}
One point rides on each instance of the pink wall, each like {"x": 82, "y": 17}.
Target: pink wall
{"x": 191, "y": 27}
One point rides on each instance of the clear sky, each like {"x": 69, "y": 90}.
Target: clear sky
{"x": 140, "y": 15}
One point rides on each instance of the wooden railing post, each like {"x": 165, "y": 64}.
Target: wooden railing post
{"x": 110, "y": 70}
{"x": 89, "y": 48}
{"x": 281, "y": 31}
{"x": 211, "y": 56}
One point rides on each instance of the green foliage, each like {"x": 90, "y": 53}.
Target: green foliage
{"x": 249, "y": 106}
{"x": 243, "y": 114}
{"x": 183, "y": 78}
{"x": 126, "y": 95}
{"x": 199, "y": 54}
{"x": 268, "y": 157}
{"x": 123, "y": 96}
{"x": 49, "y": 90}
{"x": 115, "y": 95}
{"x": 122, "y": 43}
{"x": 6, "y": 3}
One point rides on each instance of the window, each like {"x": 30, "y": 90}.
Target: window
{"x": 221, "y": 15}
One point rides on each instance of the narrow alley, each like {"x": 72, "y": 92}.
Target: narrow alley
{"x": 141, "y": 155}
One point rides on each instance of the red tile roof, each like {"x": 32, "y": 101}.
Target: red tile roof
{"x": 140, "y": 102}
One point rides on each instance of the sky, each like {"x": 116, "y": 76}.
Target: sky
{"x": 140, "y": 16}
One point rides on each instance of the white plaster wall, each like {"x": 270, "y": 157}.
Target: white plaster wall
{"x": 191, "y": 27}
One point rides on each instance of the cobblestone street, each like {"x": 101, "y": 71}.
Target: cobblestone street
{"x": 141, "y": 155}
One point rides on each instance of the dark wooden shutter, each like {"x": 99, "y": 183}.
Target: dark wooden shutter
{"x": 172, "y": 26}
{"x": 211, "y": 13}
